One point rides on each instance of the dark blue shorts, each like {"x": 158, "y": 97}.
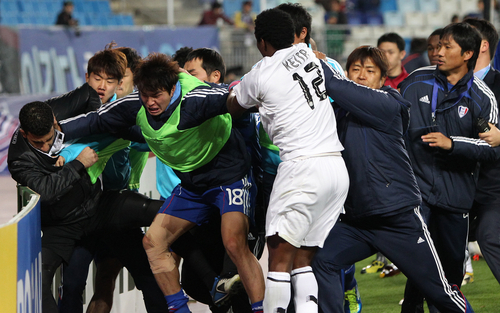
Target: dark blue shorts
{"x": 194, "y": 207}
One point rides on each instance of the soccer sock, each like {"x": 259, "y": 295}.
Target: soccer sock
{"x": 305, "y": 290}
{"x": 278, "y": 292}
{"x": 177, "y": 303}
{"x": 257, "y": 307}
{"x": 468, "y": 264}
{"x": 381, "y": 258}
{"x": 350, "y": 281}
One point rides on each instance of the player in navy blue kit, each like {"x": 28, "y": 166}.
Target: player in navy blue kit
{"x": 382, "y": 208}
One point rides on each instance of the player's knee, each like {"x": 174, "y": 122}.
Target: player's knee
{"x": 160, "y": 258}
{"x": 147, "y": 243}
{"x": 234, "y": 246}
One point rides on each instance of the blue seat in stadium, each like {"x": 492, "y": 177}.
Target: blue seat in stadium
{"x": 26, "y": 6}
{"x": 407, "y": 5}
{"x": 96, "y": 19}
{"x": 393, "y": 18}
{"x": 122, "y": 20}
{"x": 79, "y": 7}
{"x": 355, "y": 18}
{"x": 26, "y": 18}
{"x": 102, "y": 7}
{"x": 81, "y": 17}
{"x": 10, "y": 19}
{"x": 54, "y": 6}
{"x": 9, "y": 6}
{"x": 374, "y": 18}
{"x": 428, "y": 5}
{"x": 388, "y": 5}
{"x": 128, "y": 20}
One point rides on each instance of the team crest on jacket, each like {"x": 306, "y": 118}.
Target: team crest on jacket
{"x": 462, "y": 111}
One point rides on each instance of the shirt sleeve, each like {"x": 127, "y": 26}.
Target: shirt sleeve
{"x": 115, "y": 118}
{"x": 247, "y": 92}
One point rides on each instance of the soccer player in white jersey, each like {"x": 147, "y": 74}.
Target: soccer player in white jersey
{"x": 288, "y": 88}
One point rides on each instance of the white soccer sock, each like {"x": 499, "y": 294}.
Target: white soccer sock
{"x": 278, "y": 292}
{"x": 305, "y": 290}
{"x": 468, "y": 264}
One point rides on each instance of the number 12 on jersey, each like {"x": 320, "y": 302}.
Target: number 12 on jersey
{"x": 316, "y": 83}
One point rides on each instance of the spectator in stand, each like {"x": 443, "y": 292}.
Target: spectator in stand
{"x": 244, "y": 18}
{"x": 393, "y": 46}
{"x": 433, "y": 46}
{"x": 65, "y": 17}
{"x": 417, "y": 58}
{"x": 335, "y": 13}
{"x": 334, "y": 36}
{"x": 479, "y": 14}
{"x": 211, "y": 16}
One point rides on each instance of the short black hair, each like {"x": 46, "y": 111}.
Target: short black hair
{"x": 211, "y": 60}
{"x": 394, "y": 38}
{"x": 181, "y": 55}
{"x": 364, "y": 52}
{"x": 301, "y": 18}
{"x": 418, "y": 45}
{"x": 467, "y": 37}
{"x": 436, "y": 32}
{"x": 133, "y": 57}
{"x": 275, "y": 27}
{"x": 216, "y": 5}
{"x": 36, "y": 118}
{"x": 487, "y": 31}
{"x": 156, "y": 72}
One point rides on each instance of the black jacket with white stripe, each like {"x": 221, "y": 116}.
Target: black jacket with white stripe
{"x": 447, "y": 179}
{"x": 231, "y": 164}
{"x": 371, "y": 124}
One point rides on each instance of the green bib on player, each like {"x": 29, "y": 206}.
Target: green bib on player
{"x": 104, "y": 155}
{"x": 265, "y": 141}
{"x": 188, "y": 149}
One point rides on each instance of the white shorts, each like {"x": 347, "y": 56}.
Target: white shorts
{"x": 307, "y": 198}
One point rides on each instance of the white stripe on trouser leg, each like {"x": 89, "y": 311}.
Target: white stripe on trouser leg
{"x": 305, "y": 290}
{"x": 278, "y": 292}
{"x": 454, "y": 296}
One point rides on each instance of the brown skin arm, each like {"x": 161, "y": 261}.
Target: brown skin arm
{"x": 233, "y": 107}
{"x": 320, "y": 55}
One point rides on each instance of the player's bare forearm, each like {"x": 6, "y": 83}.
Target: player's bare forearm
{"x": 233, "y": 107}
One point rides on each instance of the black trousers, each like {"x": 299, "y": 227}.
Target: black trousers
{"x": 449, "y": 231}
{"x": 403, "y": 238}
{"x": 488, "y": 233}
{"x": 118, "y": 211}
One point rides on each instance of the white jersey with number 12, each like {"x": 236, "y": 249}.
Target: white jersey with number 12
{"x": 289, "y": 90}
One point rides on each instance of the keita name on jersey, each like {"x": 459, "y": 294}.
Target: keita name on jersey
{"x": 295, "y": 60}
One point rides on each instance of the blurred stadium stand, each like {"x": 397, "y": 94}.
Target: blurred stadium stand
{"x": 367, "y": 20}
{"x": 44, "y": 13}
